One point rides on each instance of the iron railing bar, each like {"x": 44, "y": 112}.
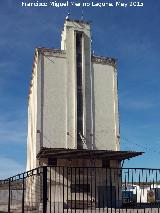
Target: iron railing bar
{"x": 71, "y": 191}
{"x": 83, "y": 190}
{"x": 114, "y": 175}
{"x": 87, "y": 189}
{"x": 63, "y": 189}
{"x": 59, "y": 196}
{"x": 50, "y": 185}
{"x": 107, "y": 187}
{"x": 75, "y": 190}
{"x": 79, "y": 179}
{"x": 23, "y": 196}
{"x": 44, "y": 189}
{"x": 55, "y": 188}
{"x": 111, "y": 187}
{"x": 99, "y": 195}
{"x": 95, "y": 181}
{"x": 118, "y": 188}
{"x": 67, "y": 190}
{"x": 9, "y": 196}
{"x": 91, "y": 187}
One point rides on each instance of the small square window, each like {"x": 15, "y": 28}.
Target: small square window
{"x": 52, "y": 161}
{"x": 77, "y": 188}
{"x": 105, "y": 164}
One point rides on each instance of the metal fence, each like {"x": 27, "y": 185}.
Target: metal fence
{"x": 22, "y": 192}
{"x": 81, "y": 189}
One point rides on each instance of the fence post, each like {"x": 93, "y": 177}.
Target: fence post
{"x": 9, "y": 195}
{"x": 23, "y": 194}
{"x": 44, "y": 189}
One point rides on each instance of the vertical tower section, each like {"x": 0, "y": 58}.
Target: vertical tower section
{"x": 92, "y": 100}
{"x": 79, "y": 79}
{"x": 76, "y": 39}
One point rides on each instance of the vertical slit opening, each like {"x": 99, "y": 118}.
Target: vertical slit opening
{"x": 79, "y": 90}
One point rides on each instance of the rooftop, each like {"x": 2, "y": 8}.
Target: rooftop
{"x": 78, "y": 21}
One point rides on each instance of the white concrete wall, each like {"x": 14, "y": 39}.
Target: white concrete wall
{"x": 55, "y": 101}
{"x": 105, "y": 106}
{"x": 32, "y": 118}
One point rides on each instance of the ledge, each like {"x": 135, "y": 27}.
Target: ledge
{"x": 104, "y": 60}
{"x": 86, "y": 154}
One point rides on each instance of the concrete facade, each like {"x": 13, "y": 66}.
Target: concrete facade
{"x": 52, "y": 108}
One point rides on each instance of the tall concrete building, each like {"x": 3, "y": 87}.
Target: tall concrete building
{"x": 73, "y": 103}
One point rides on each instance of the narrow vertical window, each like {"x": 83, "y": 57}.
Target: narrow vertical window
{"x": 79, "y": 90}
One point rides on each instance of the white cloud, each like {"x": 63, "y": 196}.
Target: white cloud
{"x": 10, "y": 167}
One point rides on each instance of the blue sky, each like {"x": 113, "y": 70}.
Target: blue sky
{"x": 132, "y": 35}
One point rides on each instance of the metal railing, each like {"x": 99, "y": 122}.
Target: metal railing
{"x": 82, "y": 189}
{"x": 22, "y": 192}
